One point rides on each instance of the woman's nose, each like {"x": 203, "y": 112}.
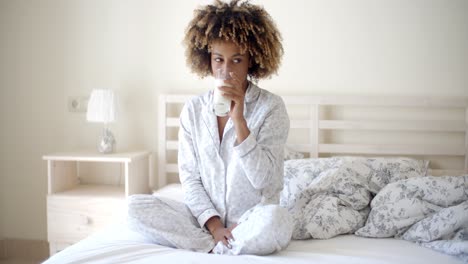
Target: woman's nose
{"x": 227, "y": 67}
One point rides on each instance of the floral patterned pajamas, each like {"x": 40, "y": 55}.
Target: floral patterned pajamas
{"x": 239, "y": 183}
{"x": 261, "y": 230}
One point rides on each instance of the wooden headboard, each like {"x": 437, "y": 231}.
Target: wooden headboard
{"x": 432, "y": 128}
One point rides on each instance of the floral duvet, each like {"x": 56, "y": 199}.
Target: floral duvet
{"x": 377, "y": 197}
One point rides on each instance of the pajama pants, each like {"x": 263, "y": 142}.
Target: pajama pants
{"x": 261, "y": 230}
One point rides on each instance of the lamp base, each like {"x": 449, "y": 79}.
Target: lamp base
{"x": 107, "y": 141}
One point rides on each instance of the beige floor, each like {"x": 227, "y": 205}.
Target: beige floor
{"x": 18, "y": 251}
{"x": 18, "y": 261}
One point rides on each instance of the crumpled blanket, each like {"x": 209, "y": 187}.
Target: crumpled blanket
{"x": 330, "y": 196}
{"x": 431, "y": 211}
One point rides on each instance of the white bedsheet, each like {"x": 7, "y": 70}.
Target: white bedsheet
{"x": 118, "y": 244}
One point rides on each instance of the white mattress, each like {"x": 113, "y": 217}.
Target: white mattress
{"x": 118, "y": 244}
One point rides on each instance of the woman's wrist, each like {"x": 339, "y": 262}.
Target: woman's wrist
{"x": 213, "y": 223}
{"x": 242, "y": 130}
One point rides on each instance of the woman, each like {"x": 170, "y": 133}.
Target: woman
{"x": 230, "y": 167}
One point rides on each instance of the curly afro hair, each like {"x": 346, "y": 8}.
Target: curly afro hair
{"x": 249, "y": 26}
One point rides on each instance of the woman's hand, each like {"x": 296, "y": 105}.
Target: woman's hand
{"x": 222, "y": 234}
{"x": 219, "y": 232}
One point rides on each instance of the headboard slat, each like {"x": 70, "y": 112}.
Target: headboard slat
{"x": 434, "y": 126}
{"x": 432, "y": 150}
{"x": 466, "y": 140}
{"x": 162, "y": 161}
{"x": 314, "y": 111}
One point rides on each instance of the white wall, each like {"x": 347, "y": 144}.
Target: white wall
{"x": 374, "y": 47}
{"x": 52, "y": 49}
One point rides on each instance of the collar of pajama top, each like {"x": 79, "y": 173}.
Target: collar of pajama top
{"x": 234, "y": 177}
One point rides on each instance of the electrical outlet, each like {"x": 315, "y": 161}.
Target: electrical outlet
{"x": 78, "y": 104}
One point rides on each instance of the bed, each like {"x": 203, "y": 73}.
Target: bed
{"x": 330, "y": 130}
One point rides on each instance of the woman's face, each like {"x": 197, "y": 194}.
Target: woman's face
{"x": 226, "y": 55}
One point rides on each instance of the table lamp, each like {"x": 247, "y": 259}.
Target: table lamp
{"x": 101, "y": 109}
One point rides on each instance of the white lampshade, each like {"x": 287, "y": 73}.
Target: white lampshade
{"x": 101, "y": 106}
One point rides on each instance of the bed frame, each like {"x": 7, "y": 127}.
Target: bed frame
{"x": 433, "y": 128}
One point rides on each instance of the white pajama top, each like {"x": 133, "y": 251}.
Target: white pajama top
{"x": 224, "y": 179}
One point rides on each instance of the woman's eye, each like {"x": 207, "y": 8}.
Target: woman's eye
{"x": 237, "y": 60}
{"x": 218, "y": 60}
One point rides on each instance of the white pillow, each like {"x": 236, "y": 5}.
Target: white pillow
{"x": 290, "y": 154}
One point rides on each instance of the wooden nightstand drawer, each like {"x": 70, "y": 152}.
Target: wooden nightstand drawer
{"x": 73, "y": 218}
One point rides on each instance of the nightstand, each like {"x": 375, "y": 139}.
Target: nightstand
{"x": 87, "y": 191}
